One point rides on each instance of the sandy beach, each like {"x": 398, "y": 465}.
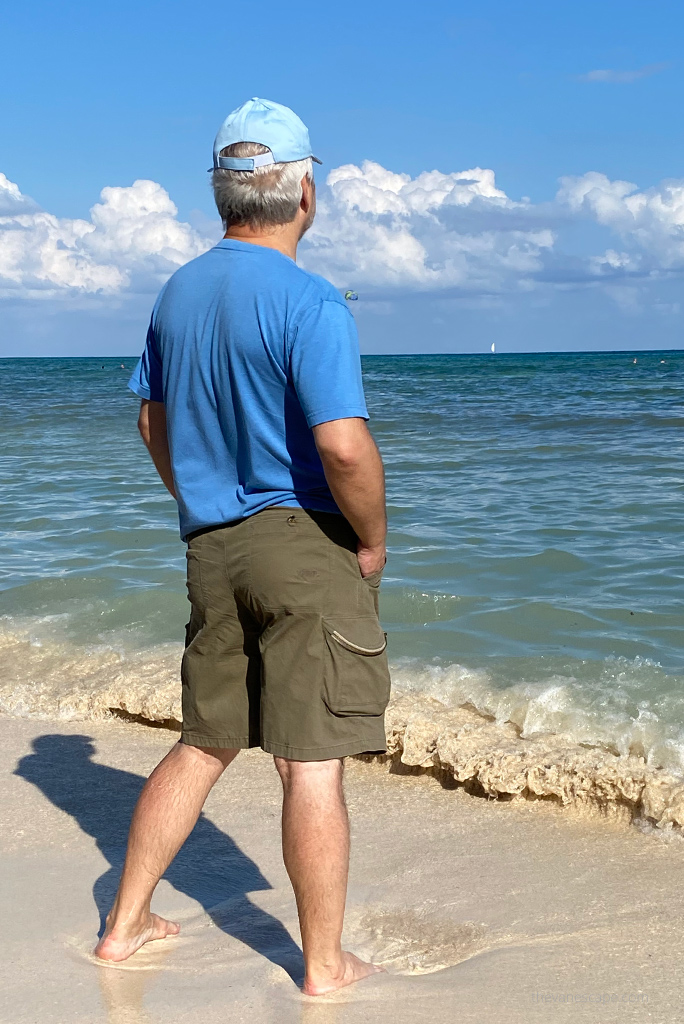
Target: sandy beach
{"x": 480, "y": 909}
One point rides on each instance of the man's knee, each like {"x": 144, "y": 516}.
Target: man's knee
{"x": 217, "y": 758}
{"x": 323, "y": 773}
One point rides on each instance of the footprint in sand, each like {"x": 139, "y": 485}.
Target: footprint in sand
{"x": 417, "y": 941}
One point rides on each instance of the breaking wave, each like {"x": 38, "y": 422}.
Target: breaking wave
{"x": 593, "y": 746}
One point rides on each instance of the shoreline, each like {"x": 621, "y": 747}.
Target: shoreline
{"x": 461, "y": 747}
{"x": 461, "y": 743}
{"x": 493, "y": 760}
{"x": 480, "y": 909}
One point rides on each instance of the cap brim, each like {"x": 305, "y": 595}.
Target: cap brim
{"x": 316, "y": 160}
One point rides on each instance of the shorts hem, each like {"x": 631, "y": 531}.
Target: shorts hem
{"x": 346, "y": 749}
{"x": 194, "y": 739}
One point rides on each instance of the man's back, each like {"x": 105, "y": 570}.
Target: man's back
{"x": 248, "y": 352}
{"x": 252, "y": 398}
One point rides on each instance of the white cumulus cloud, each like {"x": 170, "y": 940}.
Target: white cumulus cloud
{"x": 651, "y": 221}
{"x": 386, "y": 233}
{"x": 437, "y": 230}
{"x": 132, "y": 240}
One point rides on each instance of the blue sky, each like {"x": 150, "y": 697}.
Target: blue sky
{"x": 101, "y": 96}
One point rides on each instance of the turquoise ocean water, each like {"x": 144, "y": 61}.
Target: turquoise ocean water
{"x": 535, "y": 551}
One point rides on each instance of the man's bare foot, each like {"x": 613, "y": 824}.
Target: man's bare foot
{"x": 120, "y": 942}
{"x": 321, "y": 980}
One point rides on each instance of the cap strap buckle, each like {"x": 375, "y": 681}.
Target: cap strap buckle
{"x": 244, "y": 163}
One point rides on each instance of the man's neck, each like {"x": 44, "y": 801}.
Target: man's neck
{"x": 284, "y": 238}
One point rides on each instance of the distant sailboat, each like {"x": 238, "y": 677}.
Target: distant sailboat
{"x": 493, "y": 348}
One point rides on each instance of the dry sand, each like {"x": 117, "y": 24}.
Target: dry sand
{"x": 482, "y": 910}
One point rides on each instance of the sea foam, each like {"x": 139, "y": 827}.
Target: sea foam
{"x": 527, "y": 741}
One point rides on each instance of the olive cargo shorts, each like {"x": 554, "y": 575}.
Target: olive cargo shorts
{"x": 284, "y": 649}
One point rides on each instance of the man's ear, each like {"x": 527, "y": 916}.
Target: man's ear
{"x": 307, "y": 194}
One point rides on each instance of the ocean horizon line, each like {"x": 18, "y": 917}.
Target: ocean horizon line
{"x": 403, "y": 355}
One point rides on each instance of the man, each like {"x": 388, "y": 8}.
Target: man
{"x": 254, "y": 414}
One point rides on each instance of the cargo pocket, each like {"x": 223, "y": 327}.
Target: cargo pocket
{"x": 357, "y": 678}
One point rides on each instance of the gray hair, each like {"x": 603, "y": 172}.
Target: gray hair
{"x": 264, "y": 197}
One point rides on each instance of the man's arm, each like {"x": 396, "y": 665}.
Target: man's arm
{"x": 152, "y": 427}
{"x": 355, "y": 475}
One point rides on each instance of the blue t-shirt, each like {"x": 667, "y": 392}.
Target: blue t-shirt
{"x": 248, "y": 352}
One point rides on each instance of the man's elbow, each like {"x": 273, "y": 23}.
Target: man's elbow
{"x": 343, "y": 445}
{"x": 144, "y": 429}
{"x": 342, "y": 458}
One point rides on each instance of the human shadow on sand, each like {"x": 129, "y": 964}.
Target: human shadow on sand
{"x": 210, "y": 868}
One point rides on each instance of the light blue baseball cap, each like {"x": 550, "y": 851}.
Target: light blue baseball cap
{"x": 268, "y": 123}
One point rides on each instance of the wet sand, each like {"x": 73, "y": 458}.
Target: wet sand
{"x": 481, "y": 910}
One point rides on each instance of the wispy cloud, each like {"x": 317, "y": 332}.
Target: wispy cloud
{"x": 622, "y": 77}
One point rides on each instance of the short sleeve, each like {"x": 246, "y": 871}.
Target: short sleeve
{"x": 147, "y": 376}
{"x": 325, "y": 364}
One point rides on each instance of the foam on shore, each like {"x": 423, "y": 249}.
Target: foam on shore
{"x": 465, "y": 738}
{"x": 49, "y": 679}
{"x": 496, "y": 761}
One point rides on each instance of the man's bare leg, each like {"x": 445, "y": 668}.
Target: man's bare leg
{"x": 316, "y": 854}
{"x": 164, "y": 817}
